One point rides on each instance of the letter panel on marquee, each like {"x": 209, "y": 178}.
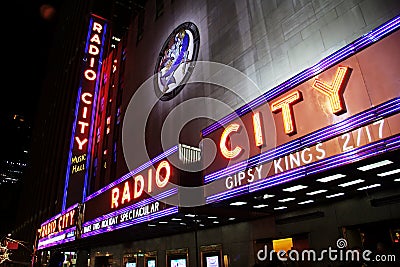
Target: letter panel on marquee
{"x": 82, "y": 129}
{"x": 348, "y": 106}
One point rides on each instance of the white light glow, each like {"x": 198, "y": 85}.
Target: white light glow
{"x": 331, "y": 178}
{"x": 212, "y": 217}
{"x": 352, "y": 183}
{"x": 397, "y": 180}
{"x": 295, "y": 188}
{"x": 369, "y": 187}
{"x": 190, "y": 215}
{"x": 231, "y": 219}
{"x": 267, "y": 196}
{"x": 280, "y": 208}
{"x": 389, "y": 173}
{"x": 286, "y": 199}
{"x": 317, "y": 192}
{"x": 335, "y": 195}
{"x": 176, "y": 219}
{"x": 375, "y": 165}
{"x": 163, "y": 222}
{"x": 215, "y": 222}
{"x": 151, "y": 225}
{"x": 260, "y": 206}
{"x": 306, "y": 202}
{"x": 238, "y": 203}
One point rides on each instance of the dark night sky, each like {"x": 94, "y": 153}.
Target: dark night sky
{"x": 27, "y": 35}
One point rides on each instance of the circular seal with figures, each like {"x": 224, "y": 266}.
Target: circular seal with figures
{"x": 176, "y": 60}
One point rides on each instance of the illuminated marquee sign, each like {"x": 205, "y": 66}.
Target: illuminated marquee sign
{"x": 59, "y": 229}
{"x": 134, "y": 198}
{"x": 82, "y": 130}
{"x": 345, "y": 113}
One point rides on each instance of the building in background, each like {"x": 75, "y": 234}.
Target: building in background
{"x": 16, "y": 144}
{"x": 13, "y": 163}
{"x": 98, "y": 188}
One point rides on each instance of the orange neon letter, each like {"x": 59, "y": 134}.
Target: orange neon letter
{"x": 229, "y": 154}
{"x": 258, "y": 135}
{"x": 84, "y": 100}
{"x": 84, "y": 113}
{"x": 114, "y": 197}
{"x": 163, "y": 164}
{"x": 334, "y": 91}
{"x": 149, "y": 179}
{"x": 138, "y": 192}
{"x": 80, "y": 143}
{"x": 72, "y": 213}
{"x": 95, "y": 39}
{"x": 90, "y": 75}
{"x": 126, "y": 195}
{"x": 83, "y": 125}
{"x": 93, "y": 50}
{"x": 285, "y": 104}
{"x": 97, "y": 27}
{"x": 60, "y": 224}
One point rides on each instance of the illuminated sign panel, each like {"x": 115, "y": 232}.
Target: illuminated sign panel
{"x": 82, "y": 130}
{"x": 345, "y": 113}
{"x": 134, "y": 198}
{"x": 59, "y": 229}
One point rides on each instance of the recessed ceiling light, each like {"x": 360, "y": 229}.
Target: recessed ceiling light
{"x": 201, "y": 225}
{"x": 267, "y": 196}
{"x": 259, "y": 206}
{"x": 331, "y": 178}
{"x": 215, "y": 222}
{"x": 162, "y": 222}
{"x": 212, "y": 217}
{"x": 295, "y": 188}
{"x": 352, "y": 183}
{"x": 238, "y": 203}
{"x": 306, "y": 202}
{"x": 389, "y": 173}
{"x": 317, "y": 192}
{"x": 375, "y": 165}
{"x": 190, "y": 215}
{"x": 280, "y": 208}
{"x": 286, "y": 199}
{"x": 231, "y": 219}
{"x": 176, "y": 219}
{"x": 397, "y": 180}
{"x": 335, "y": 195}
{"x": 182, "y": 223}
{"x": 151, "y": 225}
{"x": 368, "y": 187}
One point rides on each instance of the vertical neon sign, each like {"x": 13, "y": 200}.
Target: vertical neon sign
{"x": 82, "y": 129}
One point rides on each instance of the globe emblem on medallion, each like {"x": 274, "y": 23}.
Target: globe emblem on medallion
{"x": 176, "y": 61}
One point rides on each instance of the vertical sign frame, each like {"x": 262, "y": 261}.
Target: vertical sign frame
{"x": 82, "y": 130}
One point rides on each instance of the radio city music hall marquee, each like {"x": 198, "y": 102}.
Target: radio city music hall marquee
{"x": 134, "y": 198}
{"x": 59, "y": 229}
{"x": 81, "y": 139}
{"x": 331, "y": 117}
